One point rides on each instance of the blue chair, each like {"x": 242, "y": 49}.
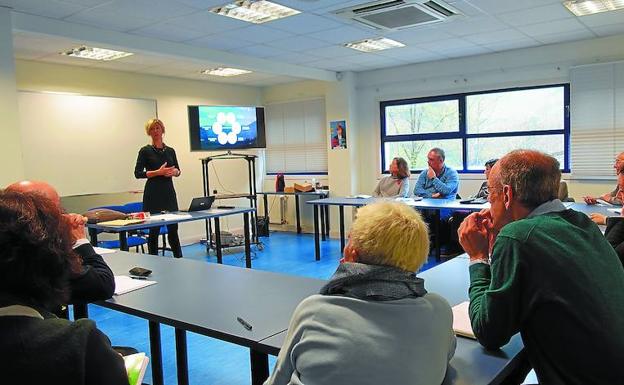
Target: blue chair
{"x": 134, "y": 207}
{"x": 133, "y": 240}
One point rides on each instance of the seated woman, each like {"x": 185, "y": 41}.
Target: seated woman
{"x": 36, "y": 259}
{"x": 397, "y": 183}
{"x": 373, "y": 322}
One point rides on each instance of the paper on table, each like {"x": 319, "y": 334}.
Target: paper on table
{"x": 125, "y": 284}
{"x": 135, "y": 367}
{"x": 409, "y": 201}
{"x": 360, "y": 196}
{"x": 121, "y": 222}
{"x": 102, "y": 251}
{"x": 617, "y": 211}
{"x": 461, "y": 320}
{"x": 169, "y": 217}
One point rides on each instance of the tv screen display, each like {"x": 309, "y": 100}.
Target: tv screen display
{"x": 214, "y": 128}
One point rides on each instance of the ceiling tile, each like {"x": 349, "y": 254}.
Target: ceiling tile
{"x": 512, "y": 44}
{"x": 465, "y": 8}
{"x": 297, "y": 43}
{"x": 255, "y": 33}
{"x": 260, "y": 51}
{"x": 335, "y": 65}
{"x": 109, "y": 20}
{"x": 553, "y": 27}
{"x": 311, "y": 5}
{"x": 304, "y": 23}
{"x": 472, "y": 25}
{"x": 411, "y": 54}
{"x": 468, "y": 51}
{"x": 60, "y": 59}
{"x": 608, "y": 30}
{"x": 147, "y": 9}
{"x": 333, "y": 51}
{"x": 296, "y": 58}
{"x": 48, "y": 8}
{"x": 536, "y": 15}
{"x": 342, "y": 35}
{"x": 446, "y": 45}
{"x": 215, "y": 42}
{"x": 203, "y": 4}
{"x": 168, "y": 32}
{"x": 494, "y": 37}
{"x": 419, "y": 35}
{"x": 207, "y": 22}
{"x": 120, "y": 65}
{"x": 565, "y": 36}
{"x": 494, "y": 7}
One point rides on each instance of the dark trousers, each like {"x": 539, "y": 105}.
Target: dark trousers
{"x": 172, "y": 237}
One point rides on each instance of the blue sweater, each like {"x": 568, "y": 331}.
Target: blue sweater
{"x": 446, "y": 184}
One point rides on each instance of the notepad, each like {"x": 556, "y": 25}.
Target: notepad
{"x": 122, "y": 222}
{"x": 360, "y": 196}
{"x": 461, "y": 321}
{"x": 124, "y": 284}
{"x": 409, "y": 201}
{"x": 136, "y": 364}
{"x": 170, "y": 217}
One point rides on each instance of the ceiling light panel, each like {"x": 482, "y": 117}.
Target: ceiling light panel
{"x": 590, "y": 7}
{"x": 94, "y": 53}
{"x": 372, "y": 45}
{"x": 224, "y": 71}
{"x": 254, "y": 11}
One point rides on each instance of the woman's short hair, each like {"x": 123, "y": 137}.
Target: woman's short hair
{"x": 391, "y": 234}
{"x": 490, "y": 163}
{"x": 404, "y": 171}
{"x": 36, "y": 255}
{"x": 150, "y": 123}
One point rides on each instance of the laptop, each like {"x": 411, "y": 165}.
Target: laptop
{"x": 200, "y": 203}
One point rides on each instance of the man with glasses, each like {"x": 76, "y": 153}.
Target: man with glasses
{"x": 610, "y": 197}
{"x": 547, "y": 272}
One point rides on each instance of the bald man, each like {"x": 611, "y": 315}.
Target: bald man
{"x": 612, "y": 197}
{"x": 96, "y": 281}
{"x": 547, "y": 272}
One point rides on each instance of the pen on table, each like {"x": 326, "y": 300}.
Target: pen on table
{"x": 135, "y": 277}
{"x": 244, "y": 323}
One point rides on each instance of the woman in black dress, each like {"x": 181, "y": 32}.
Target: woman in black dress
{"x": 158, "y": 163}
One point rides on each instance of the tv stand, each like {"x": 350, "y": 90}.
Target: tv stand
{"x": 251, "y": 195}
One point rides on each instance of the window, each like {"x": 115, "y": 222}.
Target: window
{"x": 296, "y": 138}
{"x": 475, "y": 127}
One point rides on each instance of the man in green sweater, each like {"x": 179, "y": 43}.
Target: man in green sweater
{"x": 546, "y": 272}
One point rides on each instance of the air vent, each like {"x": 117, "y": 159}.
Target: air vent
{"x": 398, "y": 14}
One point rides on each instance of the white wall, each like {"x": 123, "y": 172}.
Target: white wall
{"x": 523, "y": 67}
{"x": 172, "y": 97}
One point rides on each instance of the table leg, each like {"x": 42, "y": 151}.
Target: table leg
{"x": 317, "y": 246}
{"x": 437, "y": 235}
{"x": 298, "y": 214}
{"x": 155, "y": 353}
{"x": 93, "y": 236}
{"x": 217, "y": 226}
{"x": 342, "y": 229}
{"x": 326, "y": 220}
{"x": 181, "y": 357}
{"x": 247, "y": 240}
{"x": 266, "y": 212}
{"x": 81, "y": 310}
{"x": 322, "y": 212}
{"x": 259, "y": 367}
{"x": 123, "y": 240}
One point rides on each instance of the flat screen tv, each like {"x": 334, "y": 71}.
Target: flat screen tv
{"x": 214, "y": 128}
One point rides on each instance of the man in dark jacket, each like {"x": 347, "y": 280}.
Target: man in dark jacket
{"x": 547, "y": 272}
{"x": 96, "y": 280}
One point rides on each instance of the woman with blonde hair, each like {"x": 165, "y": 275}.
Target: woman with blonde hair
{"x": 158, "y": 163}
{"x": 395, "y": 185}
{"x": 373, "y": 322}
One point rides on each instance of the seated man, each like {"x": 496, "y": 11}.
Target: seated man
{"x": 95, "y": 281}
{"x": 601, "y": 219}
{"x": 547, "y": 272}
{"x": 35, "y": 262}
{"x": 439, "y": 180}
{"x": 373, "y": 322}
{"x": 610, "y": 197}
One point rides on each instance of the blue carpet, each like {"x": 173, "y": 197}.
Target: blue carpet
{"x": 211, "y": 361}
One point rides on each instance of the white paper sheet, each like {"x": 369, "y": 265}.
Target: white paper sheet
{"x": 461, "y": 320}
{"x": 124, "y": 284}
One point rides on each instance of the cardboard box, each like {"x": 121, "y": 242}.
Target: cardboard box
{"x": 304, "y": 187}
{"x": 289, "y": 189}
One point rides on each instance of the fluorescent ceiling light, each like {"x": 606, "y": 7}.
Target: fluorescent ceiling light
{"x": 254, "y": 11}
{"x": 225, "y": 71}
{"x": 95, "y": 53}
{"x": 589, "y": 7}
{"x": 371, "y": 45}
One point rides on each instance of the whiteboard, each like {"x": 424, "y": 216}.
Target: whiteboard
{"x": 83, "y": 144}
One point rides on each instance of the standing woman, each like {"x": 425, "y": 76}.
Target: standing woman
{"x": 396, "y": 185}
{"x": 158, "y": 163}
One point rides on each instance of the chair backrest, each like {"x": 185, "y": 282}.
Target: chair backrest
{"x": 132, "y": 207}
{"x": 563, "y": 192}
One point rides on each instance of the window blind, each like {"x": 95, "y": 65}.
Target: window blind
{"x": 296, "y": 138}
{"x": 597, "y": 118}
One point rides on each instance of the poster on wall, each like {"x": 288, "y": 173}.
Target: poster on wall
{"x": 338, "y": 132}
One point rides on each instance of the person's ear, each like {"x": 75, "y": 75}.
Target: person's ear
{"x": 507, "y": 196}
{"x": 350, "y": 254}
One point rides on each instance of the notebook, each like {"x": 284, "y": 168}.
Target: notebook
{"x": 461, "y": 321}
{"x": 200, "y": 203}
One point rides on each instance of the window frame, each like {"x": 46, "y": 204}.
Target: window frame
{"x": 462, "y": 132}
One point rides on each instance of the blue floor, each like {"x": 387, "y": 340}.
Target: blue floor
{"x": 213, "y": 362}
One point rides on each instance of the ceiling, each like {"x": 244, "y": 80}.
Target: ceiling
{"x": 180, "y": 37}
